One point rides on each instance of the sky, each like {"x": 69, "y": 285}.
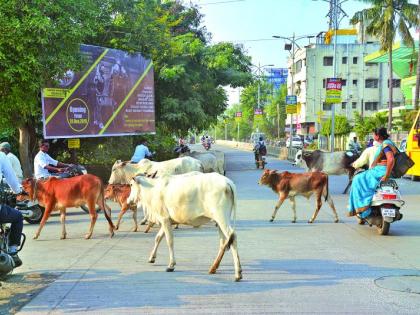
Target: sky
{"x": 254, "y": 22}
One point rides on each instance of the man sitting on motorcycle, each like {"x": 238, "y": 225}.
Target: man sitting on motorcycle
{"x": 260, "y": 149}
{"x": 10, "y": 215}
{"x": 45, "y": 166}
{"x": 141, "y": 152}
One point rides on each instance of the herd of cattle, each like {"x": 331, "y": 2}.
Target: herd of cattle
{"x": 190, "y": 190}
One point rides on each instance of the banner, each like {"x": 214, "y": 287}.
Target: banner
{"x": 333, "y": 93}
{"x": 258, "y": 114}
{"x": 291, "y": 104}
{"x": 277, "y": 76}
{"x": 238, "y": 116}
{"x": 112, "y": 96}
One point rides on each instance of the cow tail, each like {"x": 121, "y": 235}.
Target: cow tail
{"x": 327, "y": 189}
{"x": 234, "y": 203}
{"x": 102, "y": 198}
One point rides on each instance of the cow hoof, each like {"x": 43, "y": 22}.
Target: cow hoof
{"x": 310, "y": 221}
{"x": 293, "y": 221}
{"x": 170, "y": 269}
{"x": 143, "y": 222}
{"x": 271, "y": 220}
{"x": 238, "y": 278}
{"x": 135, "y": 230}
{"x": 88, "y": 236}
{"x": 63, "y": 237}
{"x": 212, "y": 271}
{"x": 336, "y": 221}
{"x": 35, "y": 237}
{"x": 117, "y": 227}
{"x": 111, "y": 234}
{"x": 152, "y": 260}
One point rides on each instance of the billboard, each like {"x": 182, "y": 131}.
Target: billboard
{"x": 112, "y": 96}
{"x": 277, "y": 76}
{"x": 333, "y": 93}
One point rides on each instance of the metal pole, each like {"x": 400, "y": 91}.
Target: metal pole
{"x": 238, "y": 133}
{"x": 334, "y": 74}
{"x": 278, "y": 121}
{"x": 225, "y": 131}
{"x": 292, "y": 72}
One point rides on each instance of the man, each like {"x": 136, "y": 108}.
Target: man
{"x": 354, "y": 145}
{"x": 141, "y": 152}
{"x": 14, "y": 161}
{"x": 367, "y": 157}
{"x": 45, "y": 166}
{"x": 10, "y": 215}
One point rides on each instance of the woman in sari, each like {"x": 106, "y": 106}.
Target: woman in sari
{"x": 364, "y": 184}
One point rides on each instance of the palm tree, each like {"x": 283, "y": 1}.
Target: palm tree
{"x": 383, "y": 19}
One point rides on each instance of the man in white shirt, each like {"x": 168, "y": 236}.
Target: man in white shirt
{"x": 8, "y": 214}
{"x": 45, "y": 166}
{"x": 17, "y": 168}
{"x": 141, "y": 152}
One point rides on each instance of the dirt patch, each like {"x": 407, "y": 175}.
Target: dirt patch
{"x": 17, "y": 290}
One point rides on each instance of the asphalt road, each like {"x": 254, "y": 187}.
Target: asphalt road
{"x": 323, "y": 267}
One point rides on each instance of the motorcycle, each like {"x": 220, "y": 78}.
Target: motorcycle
{"x": 385, "y": 206}
{"x": 260, "y": 160}
{"x": 180, "y": 149}
{"x": 206, "y": 145}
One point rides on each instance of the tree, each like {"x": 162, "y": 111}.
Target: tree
{"x": 341, "y": 126}
{"x": 365, "y": 125}
{"x": 384, "y": 18}
{"x": 417, "y": 90}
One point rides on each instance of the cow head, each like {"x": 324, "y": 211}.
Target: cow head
{"x": 134, "y": 196}
{"x": 298, "y": 158}
{"x": 267, "y": 177}
{"x": 109, "y": 191}
{"x": 28, "y": 185}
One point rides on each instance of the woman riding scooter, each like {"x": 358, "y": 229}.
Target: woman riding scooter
{"x": 260, "y": 151}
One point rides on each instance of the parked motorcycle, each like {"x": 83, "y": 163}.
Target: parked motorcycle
{"x": 386, "y": 205}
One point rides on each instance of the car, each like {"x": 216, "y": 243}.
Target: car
{"x": 296, "y": 142}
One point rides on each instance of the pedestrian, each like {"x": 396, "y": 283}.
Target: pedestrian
{"x": 370, "y": 143}
{"x": 14, "y": 161}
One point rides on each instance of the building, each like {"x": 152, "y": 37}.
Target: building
{"x": 365, "y": 85}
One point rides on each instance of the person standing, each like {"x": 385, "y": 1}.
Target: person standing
{"x": 141, "y": 152}
{"x": 14, "y": 161}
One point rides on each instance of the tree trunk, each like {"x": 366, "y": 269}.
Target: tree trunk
{"x": 25, "y": 151}
{"x": 390, "y": 89}
{"x": 416, "y": 93}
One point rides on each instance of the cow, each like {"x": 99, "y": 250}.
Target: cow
{"x": 59, "y": 194}
{"x": 119, "y": 193}
{"x": 192, "y": 199}
{"x": 332, "y": 163}
{"x": 208, "y": 159}
{"x": 123, "y": 172}
{"x": 290, "y": 185}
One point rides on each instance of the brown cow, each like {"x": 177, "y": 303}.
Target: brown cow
{"x": 119, "y": 193}
{"x": 59, "y": 194}
{"x": 290, "y": 185}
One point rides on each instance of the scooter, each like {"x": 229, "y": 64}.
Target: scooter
{"x": 385, "y": 205}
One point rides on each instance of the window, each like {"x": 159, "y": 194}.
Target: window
{"x": 396, "y": 83}
{"x": 324, "y": 82}
{"x": 354, "y": 82}
{"x": 355, "y": 60}
{"x": 326, "y": 106}
{"x": 354, "y": 105}
{"x": 328, "y": 61}
{"x": 344, "y": 60}
{"x": 394, "y": 104}
{"x": 343, "y": 105}
{"x": 343, "y": 82}
{"x": 298, "y": 66}
{"x": 371, "y": 83}
{"x": 370, "y": 64}
{"x": 371, "y": 106}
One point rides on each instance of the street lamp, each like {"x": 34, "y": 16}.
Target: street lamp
{"x": 259, "y": 71}
{"x": 290, "y": 46}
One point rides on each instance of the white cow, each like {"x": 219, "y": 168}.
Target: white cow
{"x": 123, "y": 172}
{"x": 192, "y": 199}
{"x": 208, "y": 159}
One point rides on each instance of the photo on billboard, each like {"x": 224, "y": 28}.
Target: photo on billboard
{"x": 112, "y": 96}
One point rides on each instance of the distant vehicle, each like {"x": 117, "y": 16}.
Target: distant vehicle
{"x": 296, "y": 142}
{"x": 255, "y": 136}
{"x": 413, "y": 148}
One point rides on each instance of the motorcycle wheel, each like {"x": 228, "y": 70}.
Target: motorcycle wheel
{"x": 384, "y": 229}
{"x": 37, "y": 216}
{"x": 263, "y": 165}
{"x": 86, "y": 209}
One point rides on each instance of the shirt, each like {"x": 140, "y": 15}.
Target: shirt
{"x": 15, "y": 165}
{"x": 41, "y": 160}
{"x": 140, "y": 153}
{"x": 9, "y": 174}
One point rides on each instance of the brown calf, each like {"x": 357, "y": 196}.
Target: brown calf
{"x": 290, "y": 185}
{"x": 59, "y": 194}
{"x": 119, "y": 193}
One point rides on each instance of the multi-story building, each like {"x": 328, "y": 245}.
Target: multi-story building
{"x": 365, "y": 85}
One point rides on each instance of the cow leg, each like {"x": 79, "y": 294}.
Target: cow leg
{"x": 148, "y": 227}
{"x": 293, "y": 202}
{"x": 63, "y": 223}
{"x": 282, "y": 198}
{"x": 220, "y": 254}
{"x": 136, "y": 225}
{"x": 93, "y": 217}
{"x": 347, "y": 187}
{"x": 120, "y": 215}
{"x": 167, "y": 227}
{"x": 235, "y": 255}
{"x": 318, "y": 206}
{"x": 158, "y": 238}
{"x": 45, "y": 217}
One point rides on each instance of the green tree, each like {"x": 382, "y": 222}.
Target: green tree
{"x": 365, "y": 125}
{"x": 341, "y": 126}
{"x": 383, "y": 19}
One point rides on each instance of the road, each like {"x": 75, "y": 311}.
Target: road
{"x": 323, "y": 267}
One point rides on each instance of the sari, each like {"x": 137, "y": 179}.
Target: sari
{"x": 364, "y": 185}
